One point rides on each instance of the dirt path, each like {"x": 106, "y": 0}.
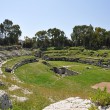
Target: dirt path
{"x": 102, "y": 85}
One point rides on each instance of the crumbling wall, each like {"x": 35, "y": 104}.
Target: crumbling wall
{"x": 26, "y": 61}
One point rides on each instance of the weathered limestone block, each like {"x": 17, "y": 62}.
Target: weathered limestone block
{"x": 5, "y": 102}
{"x": 61, "y": 70}
{"x": 72, "y": 103}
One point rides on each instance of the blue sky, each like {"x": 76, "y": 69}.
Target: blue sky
{"x": 36, "y": 15}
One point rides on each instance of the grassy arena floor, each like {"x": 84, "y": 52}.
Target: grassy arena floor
{"x": 47, "y": 87}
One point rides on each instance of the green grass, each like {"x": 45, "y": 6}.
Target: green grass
{"x": 45, "y": 84}
{"x": 86, "y": 76}
{"x": 36, "y": 73}
{"x": 77, "y": 52}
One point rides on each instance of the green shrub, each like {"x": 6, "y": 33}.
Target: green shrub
{"x": 93, "y": 107}
{"x": 58, "y": 48}
{"x": 76, "y": 48}
{"x": 101, "y": 97}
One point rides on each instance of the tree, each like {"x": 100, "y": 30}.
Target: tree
{"x": 9, "y": 33}
{"x": 75, "y": 35}
{"x": 107, "y": 39}
{"x": 1, "y": 30}
{"x": 42, "y": 39}
{"x": 28, "y": 42}
{"x": 100, "y": 35}
{"x": 57, "y": 37}
{"x": 82, "y": 35}
{"x": 7, "y": 26}
{"x": 34, "y": 39}
{"x": 14, "y": 34}
{"x": 1, "y": 33}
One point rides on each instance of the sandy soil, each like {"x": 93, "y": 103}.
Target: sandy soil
{"x": 102, "y": 85}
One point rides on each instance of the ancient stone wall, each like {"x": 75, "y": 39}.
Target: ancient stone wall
{"x": 96, "y": 62}
{"x": 26, "y": 61}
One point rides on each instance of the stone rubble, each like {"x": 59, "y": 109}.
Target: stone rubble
{"x": 13, "y": 87}
{"x": 14, "y": 78}
{"x": 25, "y": 91}
{"x": 19, "y": 99}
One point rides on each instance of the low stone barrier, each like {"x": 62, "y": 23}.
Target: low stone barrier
{"x": 96, "y": 62}
{"x": 46, "y": 63}
{"x": 26, "y": 61}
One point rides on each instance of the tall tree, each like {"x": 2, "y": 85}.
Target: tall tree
{"x": 1, "y": 30}
{"x": 28, "y": 42}
{"x": 75, "y": 35}
{"x": 7, "y": 26}
{"x": 100, "y": 35}
{"x": 1, "y": 33}
{"x": 57, "y": 37}
{"x": 107, "y": 39}
{"x": 10, "y": 33}
{"x": 42, "y": 39}
{"x": 14, "y": 34}
{"x": 82, "y": 35}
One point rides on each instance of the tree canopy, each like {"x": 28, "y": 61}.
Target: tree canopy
{"x": 89, "y": 37}
{"x": 82, "y": 35}
{"x": 9, "y": 33}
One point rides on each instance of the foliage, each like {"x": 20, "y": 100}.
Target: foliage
{"x": 9, "y": 33}
{"x": 42, "y": 39}
{"x": 28, "y": 43}
{"x": 89, "y": 38}
{"x": 101, "y": 97}
{"x": 52, "y": 37}
{"x": 93, "y": 107}
{"x": 86, "y": 36}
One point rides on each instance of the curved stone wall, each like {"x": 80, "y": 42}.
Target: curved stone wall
{"x": 96, "y": 62}
{"x": 26, "y": 61}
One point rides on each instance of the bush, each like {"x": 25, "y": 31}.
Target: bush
{"x": 58, "y": 48}
{"x": 101, "y": 97}
{"x": 93, "y": 107}
{"x": 77, "y": 48}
